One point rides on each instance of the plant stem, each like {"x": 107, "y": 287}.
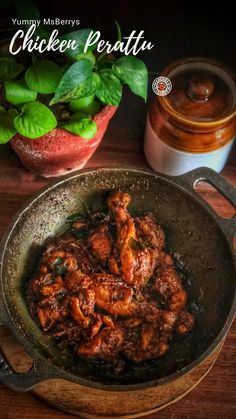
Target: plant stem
{"x": 119, "y": 38}
{"x": 119, "y": 35}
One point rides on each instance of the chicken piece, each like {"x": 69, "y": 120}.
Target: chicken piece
{"x": 113, "y": 265}
{"x": 100, "y": 243}
{"x": 97, "y": 323}
{"x": 39, "y": 281}
{"x": 50, "y": 310}
{"x": 148, "y": 342}
{"x": 107, "y": 320}
{"x": 83, "y": 302}
{"x": 137, "y": 263}
{"x": 132, "y": 322}
{"x": 150, "y": 232}
{"x": 77, "y": 314}
{"x": 113, "y": 295}
{"x": 68, "y": 330}
{"x": 72, "y": 254}
{"x": 77, "y": 280}
{"x": 114, "y": 262}
{"x": 105, "y": 345}
{"x": 82, "y": 305}
{"x": 184, "y": 323}
{"x": 83, "y": 257}
{"x": 59, "y": 260}
{"x": 48, "y": 317}
{"x": 131, "y": 312}
{"x": 144, "y": 344}
{"x": 166, "y": 322}
{"x": 169, "y": 287}
{"x": 118, "y": 202}
{"x": 87, "y": 300}
{"x": 151, "y": 339}
{"x": 53, "y": 289}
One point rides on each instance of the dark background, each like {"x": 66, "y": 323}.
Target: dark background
{"x": 178, "y": 29}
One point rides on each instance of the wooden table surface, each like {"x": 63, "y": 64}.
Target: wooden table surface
{"x": 215, "y": 396}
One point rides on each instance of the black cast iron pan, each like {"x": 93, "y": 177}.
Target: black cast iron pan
{"x": 202, "y": 240}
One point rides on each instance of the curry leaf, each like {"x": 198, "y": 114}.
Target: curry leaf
{"x": 136, "y": 245}
{"x": 74, "y": 217}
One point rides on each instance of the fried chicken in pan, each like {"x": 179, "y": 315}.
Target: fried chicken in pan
{"x": 137, "y": 261}
{"x": 108, "y": 289}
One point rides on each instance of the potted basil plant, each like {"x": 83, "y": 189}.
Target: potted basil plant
{"x": 56, "y": 115}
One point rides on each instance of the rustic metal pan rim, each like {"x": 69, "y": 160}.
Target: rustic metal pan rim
{"x": 56, "y": 372}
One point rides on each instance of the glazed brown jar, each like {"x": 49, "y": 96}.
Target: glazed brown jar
{"x": 195, "y": 124}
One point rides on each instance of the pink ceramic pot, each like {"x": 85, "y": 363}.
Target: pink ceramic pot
{"x": 59, "y": 152}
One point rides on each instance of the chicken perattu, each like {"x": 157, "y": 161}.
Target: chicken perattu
{"x": 108, "y": 289}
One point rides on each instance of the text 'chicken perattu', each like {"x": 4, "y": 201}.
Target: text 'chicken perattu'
{"x": 108, "y": 289}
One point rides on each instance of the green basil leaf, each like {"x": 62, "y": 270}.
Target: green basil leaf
{"x": 76, "y": 74}
{"x": 110, "y": 89}
{"x": 43, "y": 76}
{"x": 80, "y": 37}
{"x": 35, "y": 120}
{"x": 85, "y": 127}
{"x": 17, "y": 92}
{"x": 132, "y": 71}
{"x": 9, "y": 68}
{"x": 7, "y": 129}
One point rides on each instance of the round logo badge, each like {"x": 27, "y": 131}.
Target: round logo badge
{"x": 161, "y": 86}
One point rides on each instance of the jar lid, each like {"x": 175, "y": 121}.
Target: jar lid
{"x": 203, "y": 94}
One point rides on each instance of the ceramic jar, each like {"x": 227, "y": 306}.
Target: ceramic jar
{"x": 195, "y": 124}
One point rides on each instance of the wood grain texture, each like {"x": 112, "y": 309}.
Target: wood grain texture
{"x": 91, "y": 403}
{"x": 215, "y": 397}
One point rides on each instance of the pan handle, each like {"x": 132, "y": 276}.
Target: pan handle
{"x": 26, "y": 380}
{"x": 23, "y": 381}
{"x": 227, "y": 190}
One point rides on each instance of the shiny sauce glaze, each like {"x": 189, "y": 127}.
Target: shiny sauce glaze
{"x": 107, "y": 289}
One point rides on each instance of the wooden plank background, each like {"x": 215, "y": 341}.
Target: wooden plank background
{"x": 122, "y": 146}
